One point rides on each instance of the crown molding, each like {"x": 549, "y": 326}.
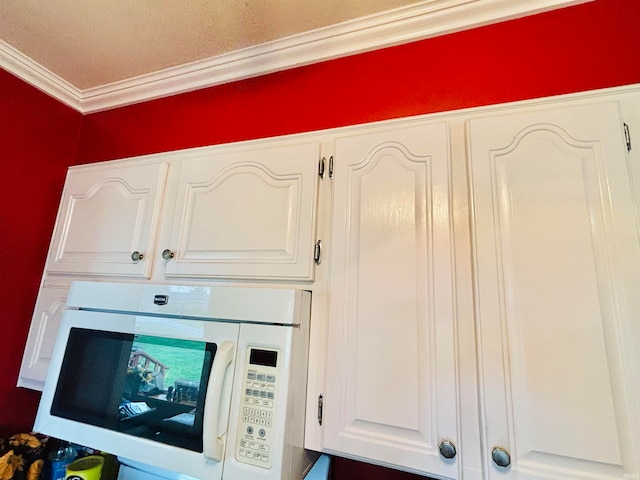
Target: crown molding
{"x": 419, "y": 21}
{"x": 26, "y": 69}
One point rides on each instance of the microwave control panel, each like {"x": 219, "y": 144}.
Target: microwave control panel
{"x": 256, "y": 425}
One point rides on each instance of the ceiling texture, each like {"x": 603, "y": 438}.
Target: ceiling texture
{"x": 99, "y": 54}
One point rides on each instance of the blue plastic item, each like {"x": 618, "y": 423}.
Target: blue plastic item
{"x": 320, "y": 470}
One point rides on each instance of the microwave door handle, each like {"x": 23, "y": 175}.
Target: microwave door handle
{"x": 213, "y": 445}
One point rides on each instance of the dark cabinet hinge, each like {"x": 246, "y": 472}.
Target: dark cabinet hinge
{"x": 320, "y": 407}
{"x": 317, "y": 252}
{"x": 627, "y": 136}
{"x": 324, "y": 169}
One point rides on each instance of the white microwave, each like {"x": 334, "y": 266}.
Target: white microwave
{"x": 183, "y": 381}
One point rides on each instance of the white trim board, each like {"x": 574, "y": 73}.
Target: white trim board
{"x": 422, "y": 20}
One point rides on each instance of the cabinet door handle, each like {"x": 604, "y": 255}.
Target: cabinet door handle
{"x": 501, "y": 457}
{"x": 167, "y": 254}
{"x": 447, "y": 449}
{"x": 136, "y": 256}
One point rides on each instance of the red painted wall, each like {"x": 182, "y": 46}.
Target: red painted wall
{"x": 589, "y": 46}
{"x": 581, "y": 48}
{"x": 38, "y": 139}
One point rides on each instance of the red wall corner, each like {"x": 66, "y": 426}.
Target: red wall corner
{"x": 38, "y": 140}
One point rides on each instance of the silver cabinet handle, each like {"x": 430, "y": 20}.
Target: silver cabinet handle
{"x": 167, "y": 254}
{"x": 501, "y": 457}
{"x": 135, "y": 256}
{"x": 447, "y": 449}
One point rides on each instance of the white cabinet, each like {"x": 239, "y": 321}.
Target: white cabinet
{"x": 245, "y": 213}
{"x": 391, "y": 393}
{"x": 546, "y": 296}
{"x": 557, "y": 288}
{"x": 229, "y": 212}
{"x": 42, "y": 336}
{"x": 108, "y": 212}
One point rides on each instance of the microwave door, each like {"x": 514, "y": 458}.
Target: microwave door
{"x": 161, "y": 400}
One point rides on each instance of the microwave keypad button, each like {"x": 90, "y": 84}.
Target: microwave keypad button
{"x": 250, "y": 430}
{"x": 262, "y": 433}
{"x": 261, "y": 377}
{"x": 271, "y": 378}
{"x": 251, "y": 376}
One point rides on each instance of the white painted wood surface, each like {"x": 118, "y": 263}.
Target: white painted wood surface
{"x": 107, "y": 212}
{"x": 245, "y": 213}
{"x": 556, "y": 253}
{"x": 391, "y": 393}
{"x": 42, "y": 336}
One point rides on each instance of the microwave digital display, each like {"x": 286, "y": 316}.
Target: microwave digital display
{"x": 147, "y": 386}
{"x": 266, "y": 358}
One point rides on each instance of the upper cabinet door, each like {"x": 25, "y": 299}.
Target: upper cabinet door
{"x": 108, "y": 220}
{"x": 391, "y": 393}
{"x": 555, "y": 239}
{"x": 245, "y": 212}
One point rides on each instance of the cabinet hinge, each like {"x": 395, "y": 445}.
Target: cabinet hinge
{"x": 317, "y": 252}
{"x": 320, "y": 407}
{"x": 324, "y": 170}
{"x": 627, "y": 136}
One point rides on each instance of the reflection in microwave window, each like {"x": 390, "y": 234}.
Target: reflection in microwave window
{"x": 163, "y": 369}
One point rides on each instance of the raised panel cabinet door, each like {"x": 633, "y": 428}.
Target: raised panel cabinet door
{"x": 391, "y": 378}
{"x": 42, "y": 336}
{"x": 557, "y": 288}
{"x": 108, "y": 220}
{"x": 246, "y": 213}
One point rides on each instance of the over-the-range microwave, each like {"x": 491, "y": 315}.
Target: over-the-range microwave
{"x": 183, "y": 381}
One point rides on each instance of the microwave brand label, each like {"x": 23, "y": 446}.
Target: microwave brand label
{"x": 161, "y": 299}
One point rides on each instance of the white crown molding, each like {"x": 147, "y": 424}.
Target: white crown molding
{"x": 419, "y": 21}
{"x": 33, "y": 73}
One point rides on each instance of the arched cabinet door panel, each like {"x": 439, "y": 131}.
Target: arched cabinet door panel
{"x": 557, "y": 288}
{"x": 108, "y": 220}
{"x": 42, "y": 335}
{"x": 391, "y": 393}
{"x": 245, "y": 213}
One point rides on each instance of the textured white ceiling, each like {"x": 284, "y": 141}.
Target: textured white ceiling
{"x": 89, "y": 43}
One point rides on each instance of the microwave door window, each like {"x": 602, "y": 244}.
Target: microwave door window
{"x": 146, "y": 386}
